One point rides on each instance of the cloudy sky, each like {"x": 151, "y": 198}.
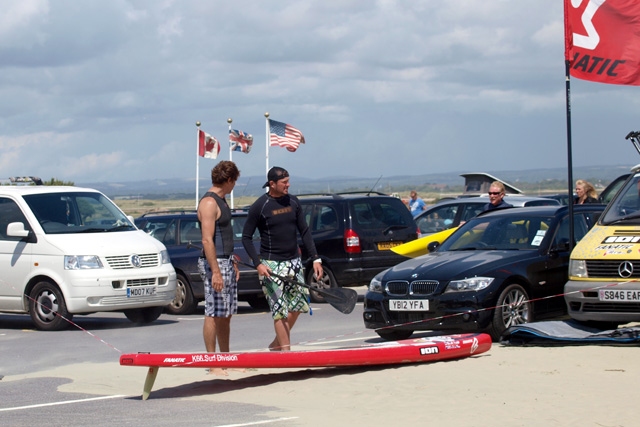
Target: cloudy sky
{"x": 111, "y": 90}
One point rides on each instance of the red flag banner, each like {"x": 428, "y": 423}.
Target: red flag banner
{"x": 602, "y": 40}
{"x": 284, "y": 135}
{"x": 208, "y": 146}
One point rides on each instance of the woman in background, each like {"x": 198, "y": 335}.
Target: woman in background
{"x": 585, "y": 193}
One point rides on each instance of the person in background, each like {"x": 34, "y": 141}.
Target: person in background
{"x": 496, "y": 195}
{"x": 585, "y": 193}
{"x": 217, "y": 269}
{"x": 416, "y": 204}
{"x": 279, "y": 218}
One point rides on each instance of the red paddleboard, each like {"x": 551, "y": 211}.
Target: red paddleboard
{"x": 419, "y": 350}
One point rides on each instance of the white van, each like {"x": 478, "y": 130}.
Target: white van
{"x": 70, "y": 250}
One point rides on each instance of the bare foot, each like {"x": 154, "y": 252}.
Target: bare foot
{"x": 220, "y": 372}
{"x": 275, "y": 345}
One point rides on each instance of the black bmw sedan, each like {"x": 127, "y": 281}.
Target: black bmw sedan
{"x": 499, "y": 269}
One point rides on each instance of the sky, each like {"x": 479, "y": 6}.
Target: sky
{"x": 110, "y": 91}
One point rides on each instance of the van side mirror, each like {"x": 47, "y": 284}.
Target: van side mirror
{"x": 16, "y": 229}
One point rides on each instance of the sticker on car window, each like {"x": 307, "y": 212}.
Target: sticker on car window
{"x": 538, "y": 238}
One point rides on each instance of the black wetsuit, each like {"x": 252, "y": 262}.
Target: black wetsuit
{"x": 279, "y": 220}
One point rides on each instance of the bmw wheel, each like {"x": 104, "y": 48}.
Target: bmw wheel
{"x": 513, "y": 308}
{"x": 47, "y": 307}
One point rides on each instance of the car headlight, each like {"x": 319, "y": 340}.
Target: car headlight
{"x": 470, "y": 284}
{"x": 164, "y": 255}
{"x": 578, "y": 268}
{"x": 375, "y": 285}
{"x": 81, "y": 262}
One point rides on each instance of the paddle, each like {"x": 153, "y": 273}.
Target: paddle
{"x": 343, "y": 300}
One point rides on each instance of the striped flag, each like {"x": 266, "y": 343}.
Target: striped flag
{"x": 208, "y": 146}
{"x": 284, "y": 135}
{"x": 240, "y": 141}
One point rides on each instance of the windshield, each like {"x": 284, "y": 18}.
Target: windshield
{"x": 625, "y": 207}
{"x": 499, "y": 232}
{"x": 77, "y": 212}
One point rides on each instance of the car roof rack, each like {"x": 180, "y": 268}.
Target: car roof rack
{"x": 24, "y": 180}
{"x": 169, "y": 212}
{"x": 179, "y": 211}
{"x": 344, "y": 193}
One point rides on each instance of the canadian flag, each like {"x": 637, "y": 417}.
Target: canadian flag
{"x": 602, "y": 40}
{"x": 208, "y": 146}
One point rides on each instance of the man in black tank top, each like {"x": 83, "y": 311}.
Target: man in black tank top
{"x": 218, "y": 271}
{"x": 278, "y": 216}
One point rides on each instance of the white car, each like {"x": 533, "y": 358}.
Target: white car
{"x": 69, "y": 250}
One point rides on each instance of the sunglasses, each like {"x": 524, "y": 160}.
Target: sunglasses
{"x": 494, "y": 193}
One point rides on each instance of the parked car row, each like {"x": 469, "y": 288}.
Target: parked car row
{"x": 497, "y": 269}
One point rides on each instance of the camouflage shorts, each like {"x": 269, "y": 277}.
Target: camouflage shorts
{"x": 284, "y": 297}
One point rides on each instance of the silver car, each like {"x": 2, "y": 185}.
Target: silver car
{"x": 450, "y": 213}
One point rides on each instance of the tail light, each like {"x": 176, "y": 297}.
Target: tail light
{"x": 352, "y": 242}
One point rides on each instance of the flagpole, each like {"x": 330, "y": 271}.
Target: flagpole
{"x": 266, "y": 115}
{"x": 567, "y": 63}
{"x": 197, "y": 161}
{"x": 229, "y": 121}
{"x": 568, "y": 42}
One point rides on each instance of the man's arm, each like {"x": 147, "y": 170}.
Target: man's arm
{"x": 249, "y": 229}
{"x": 208, "y": 214}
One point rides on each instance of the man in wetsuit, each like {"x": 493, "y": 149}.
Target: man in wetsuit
{"x": 216, "y": 266}
{"x": 278, "y": 217}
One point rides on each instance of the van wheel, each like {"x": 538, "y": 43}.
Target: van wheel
{"x": 327, "y": 281}
{"x": 513, "y": 308}
{"x": 47, "y": 307}
{"x": 184, "y": 302}
{"x": 143, "y": 315}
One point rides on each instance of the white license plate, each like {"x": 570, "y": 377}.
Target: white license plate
{"x": 619, "y": 295}
{"x": 141, "y": 292}
{"x": 409, "y": 305}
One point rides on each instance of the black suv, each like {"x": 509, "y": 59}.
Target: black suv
{"x": 177, "y": 229}
{"x": 353, "y": 233}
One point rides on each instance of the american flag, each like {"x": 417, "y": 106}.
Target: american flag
{"x": 240, "y": 141}
{"x": 284, "y": 135}
{"x": 208, "y": 146}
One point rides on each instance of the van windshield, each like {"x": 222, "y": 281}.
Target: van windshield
{"x": 625, "y": 207}
{"x": 77, "y": 212}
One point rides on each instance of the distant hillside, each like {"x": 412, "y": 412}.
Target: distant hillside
{"x": 252, "y": 186}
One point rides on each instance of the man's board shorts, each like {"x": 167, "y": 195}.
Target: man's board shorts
{"x": 282, "y": 296}
{"x": 224, "y": 303}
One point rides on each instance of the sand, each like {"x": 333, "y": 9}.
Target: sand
{"x": 511, "y": 386}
